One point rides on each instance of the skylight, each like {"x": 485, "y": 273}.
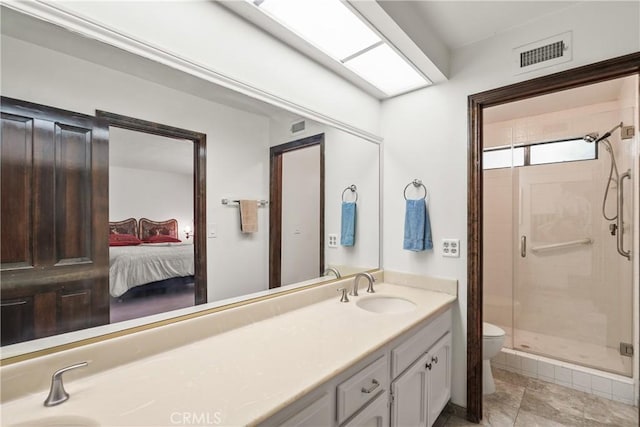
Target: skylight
{"x": 334, "y": 29}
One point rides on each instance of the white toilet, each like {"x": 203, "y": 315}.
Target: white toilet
{"x": 492, "y": 341}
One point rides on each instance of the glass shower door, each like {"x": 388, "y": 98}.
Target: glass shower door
{"x": 572, "y": 291}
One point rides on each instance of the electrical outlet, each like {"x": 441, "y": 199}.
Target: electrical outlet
{"x": 451, "y": 248}
{"x": 212, "y": 230}
{"x": 333, "y": 240}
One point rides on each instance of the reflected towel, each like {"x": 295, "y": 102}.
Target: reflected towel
{"x": 248, "y": 216}
{"x": 417, "y": 227}
{"x": 348, "y": 226}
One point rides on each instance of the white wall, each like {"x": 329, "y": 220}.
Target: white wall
{"x": 425, "y": 136}
{"x": 348, "y": 160}
{"x": 156, "y": 195}
{"x": 237, "y": 145}
{"x": 209, "y": 34}
{"x": 300, "y": 215}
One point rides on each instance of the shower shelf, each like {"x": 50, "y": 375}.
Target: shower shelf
{"x": 544, "y": 248}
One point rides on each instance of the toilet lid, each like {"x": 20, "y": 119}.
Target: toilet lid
{"x": 489, "y": 330}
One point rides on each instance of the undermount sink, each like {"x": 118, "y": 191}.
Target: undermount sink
{"x": 59, "y": 421}
{"x": 386, "y": 305}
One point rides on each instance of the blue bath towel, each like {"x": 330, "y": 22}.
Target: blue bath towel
{"x": 348, "y": 226}
{"x": 417, "y": 227}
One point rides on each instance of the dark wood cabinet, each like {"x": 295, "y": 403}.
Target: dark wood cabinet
{"x": 54, "y": 221}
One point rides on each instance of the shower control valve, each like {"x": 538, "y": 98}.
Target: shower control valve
{"x": 613, "y": 228}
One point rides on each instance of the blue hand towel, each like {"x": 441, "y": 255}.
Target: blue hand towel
{"x": 417, "y": 227}
{"x": 348, "y": 226}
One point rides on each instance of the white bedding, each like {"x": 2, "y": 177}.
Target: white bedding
{"x": 131, "y": 266}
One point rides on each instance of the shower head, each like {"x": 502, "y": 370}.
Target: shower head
{"x": 590, "y": 137}
{"x": 593, "y": 137}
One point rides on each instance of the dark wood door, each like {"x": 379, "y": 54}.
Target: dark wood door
{"x": 54, "y": 218}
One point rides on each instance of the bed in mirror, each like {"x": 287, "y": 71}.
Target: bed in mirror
{"x": 162, "y": 182}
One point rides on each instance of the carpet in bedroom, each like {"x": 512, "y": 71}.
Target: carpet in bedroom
{"x": 153, "y": 303}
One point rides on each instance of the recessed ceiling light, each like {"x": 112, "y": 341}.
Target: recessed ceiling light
{"x": 386, "y": 70}
{"x": 334, "y": 29}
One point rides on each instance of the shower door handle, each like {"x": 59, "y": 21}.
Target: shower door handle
{"x": 620, "y": 225}
{"x": 523, "y": 246}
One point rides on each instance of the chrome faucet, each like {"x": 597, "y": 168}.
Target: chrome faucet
{"x": 57, "y": 393}
{"x": 369, "y": 278}
{"x": 332, "y": 270}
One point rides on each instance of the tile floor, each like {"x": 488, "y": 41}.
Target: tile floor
{"x": 529, "y": 402}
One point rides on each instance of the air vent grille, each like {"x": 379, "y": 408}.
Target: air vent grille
{"x": 298, "y": 127}
{"x": 547, "y": 52}
{"x": 541, "y": 54}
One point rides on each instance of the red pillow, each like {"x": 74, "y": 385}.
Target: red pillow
{"x": 123, "y": 240}
{"x": 161, "y": 238}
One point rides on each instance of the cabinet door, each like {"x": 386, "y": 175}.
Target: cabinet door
{"x": 17, "y": 320}
{"x": 316, "y": 414}
{"x": 54, "y": 218}
{"x": 439, "y": 382}
{"x": 376, "y": 414}
{"x": 409, "y": 394}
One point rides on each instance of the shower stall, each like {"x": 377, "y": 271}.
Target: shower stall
{"x": 560, "y": 196}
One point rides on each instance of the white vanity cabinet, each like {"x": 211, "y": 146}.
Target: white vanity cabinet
{"x": 422, "y": 391}
{"x": 318, "y": 413}
{"x": 439, "y": 377}
{"x": 421, "y": 374}
{"x": 376, "y": 414}
{"x": 406, "y": 383}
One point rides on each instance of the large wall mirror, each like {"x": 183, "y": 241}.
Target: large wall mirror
{"x": 164, "y": 190}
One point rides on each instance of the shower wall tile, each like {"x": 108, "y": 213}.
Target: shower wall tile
{"x": 562, "y": 375}
{"x": 602, "y": 394}
{"x": 581, "y": 381}
{"x": 530, "y": 367}
{"x": 602, "y": 385}
{"x": 609, "y": 386}
{"x": 514, "y": 363}
{"x": 622, "y": 392}
{"x": 546, "y": 371}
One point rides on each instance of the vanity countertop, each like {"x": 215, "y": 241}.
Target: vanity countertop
{"x": 239, "y": 377}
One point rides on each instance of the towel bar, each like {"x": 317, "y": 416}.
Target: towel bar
{"x": 228, "y": 202}
{"x": 416, "y": 183}
{"x": 552, "y": 246}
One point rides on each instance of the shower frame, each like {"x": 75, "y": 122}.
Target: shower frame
{"x": 609, "y": 69}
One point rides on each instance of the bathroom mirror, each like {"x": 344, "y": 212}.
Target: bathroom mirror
{"x": 48, "y": 65}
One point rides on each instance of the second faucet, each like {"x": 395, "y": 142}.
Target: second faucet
{"x": 369, "y": 278}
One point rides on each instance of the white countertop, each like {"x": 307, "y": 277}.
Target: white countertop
{"x": 239, "y": 377}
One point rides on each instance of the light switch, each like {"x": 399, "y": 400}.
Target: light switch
{"x": 212, "y": 230}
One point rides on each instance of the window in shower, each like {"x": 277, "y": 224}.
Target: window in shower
{"x": 539, "y": 153}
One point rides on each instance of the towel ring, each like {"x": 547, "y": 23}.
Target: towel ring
{"x": 416, "y": 183}
{"x": 353, "y": 189}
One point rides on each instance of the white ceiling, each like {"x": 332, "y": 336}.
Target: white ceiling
{"x": 459, "y": 23}
{"x": 138, "y": 150}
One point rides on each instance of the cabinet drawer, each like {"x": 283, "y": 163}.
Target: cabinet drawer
{"x": 406, "y": 353}
{"x": 361, "y": 388}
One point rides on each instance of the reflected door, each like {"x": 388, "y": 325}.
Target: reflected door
{"x": 296, "y": 228}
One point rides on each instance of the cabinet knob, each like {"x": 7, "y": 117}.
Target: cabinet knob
{"x": 428, "y": 366}
{"x": 434, "y": 359}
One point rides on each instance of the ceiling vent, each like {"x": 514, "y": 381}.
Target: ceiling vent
{"x": 298, "y": 126}
{"x": 543, "y": 53}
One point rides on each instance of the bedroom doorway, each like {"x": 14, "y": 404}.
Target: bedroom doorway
{"x": 296, "y": 218}
{"x": 157, "y": 220}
